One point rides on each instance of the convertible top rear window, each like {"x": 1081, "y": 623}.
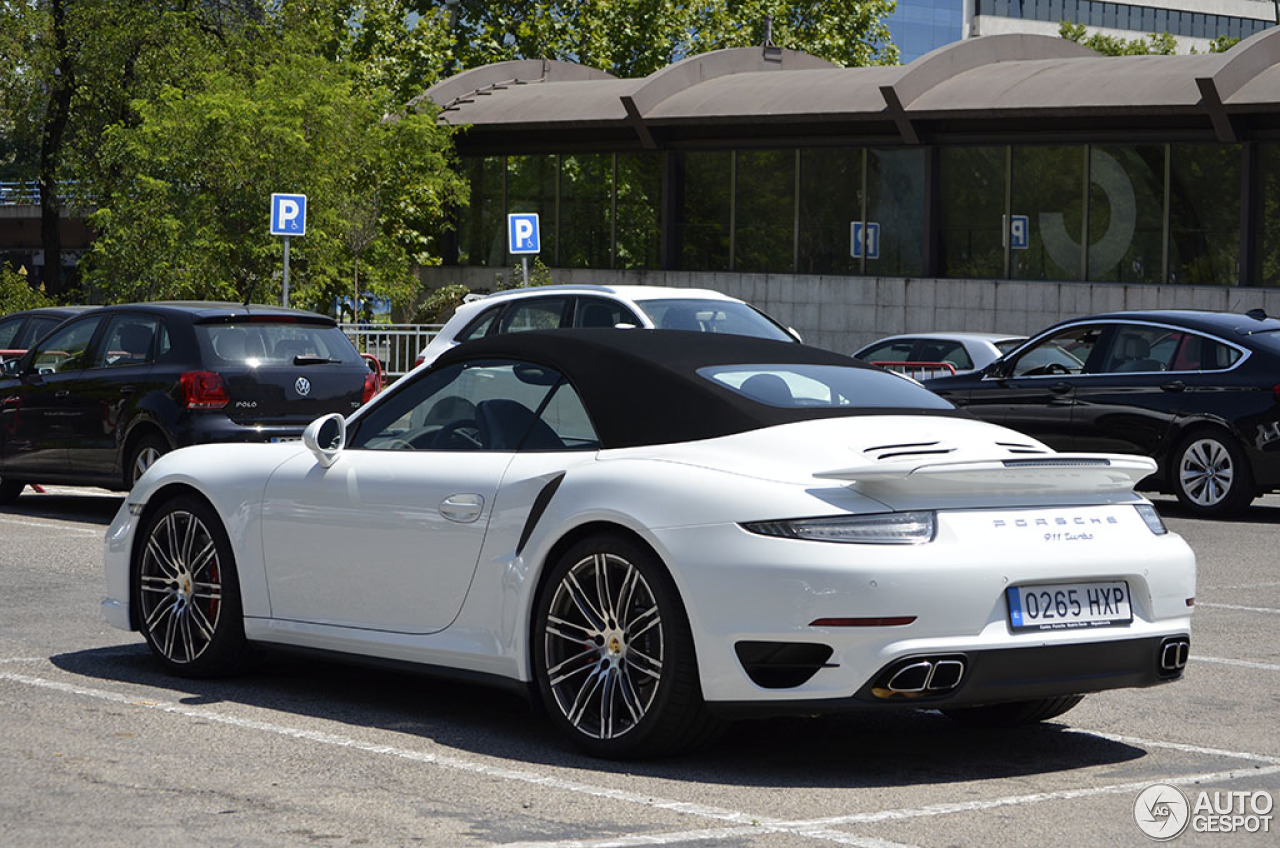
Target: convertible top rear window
{"x": 802, "y": 385}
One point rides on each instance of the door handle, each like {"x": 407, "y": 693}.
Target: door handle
{"x": 1175, "y": 386}
{"x": 1060, "y": 388}
{"x": 61, "y": 393}
{"x": 463, "y": 508}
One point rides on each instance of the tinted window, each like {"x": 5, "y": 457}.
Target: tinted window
{"x": 894, "y": 351}
{"x": 543, "y": 313}
{"x": 35, "y": 330}
{"x": 1136, "y": 348}
{"x": 255, "y": 343}
{"x": 803, "y": 385}
{"x": 712, "y": 316}
{"x": 8, "y": 331}
{"x": 480, "y": 327}
{"x": 1064, "y": 352}
{"x": 130, "y": 340}
{"x": 67, "y": 349}
{"x": 598, "y": 312}
{"x": 495, "y": 405}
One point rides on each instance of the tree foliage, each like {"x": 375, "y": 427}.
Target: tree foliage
{"x": 1153, "y": 44}
{"x": 633, "y": 38}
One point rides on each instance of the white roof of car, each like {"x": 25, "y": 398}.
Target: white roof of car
{"x": 628, "y": 292}
{"x": 977, "y": 337}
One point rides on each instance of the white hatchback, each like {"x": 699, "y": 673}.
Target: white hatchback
{"x": 647, "y": 307}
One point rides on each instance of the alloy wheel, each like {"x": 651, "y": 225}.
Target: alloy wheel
{"x": 180, "y": 583}
{"x": 603, "y": 646}
{"x": 144, "y": 459}
{"x": 1206, "y": 472}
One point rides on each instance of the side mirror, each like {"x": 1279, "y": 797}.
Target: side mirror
{"x": 325, "y": 438}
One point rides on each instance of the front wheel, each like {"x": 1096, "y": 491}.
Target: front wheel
{"x": 144, "y": 454}
{"x": 1211, "y": 475}
{"x": 613, "y": 653}
{"x": 1013, "y": 714}
{"x": 186, "y": 592}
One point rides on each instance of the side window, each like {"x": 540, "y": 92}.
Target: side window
{"x": 488, "y": 405}
{"x": 1138, "y": 349}
{"x": 67, "y": 349}
{"x": 35, "y": 330}
{"x": 1065, "y": 352}
{"x": 543, "y": 313}
{"x": 895, "y": 351}
{"x": 479, "y": 328}
{"x": 130, "y": 340}
{"x": 9, "y": 332}
{"x": 936, "y": 350}
{"x": 1200, "y": 353}
{"x": 598, "y": 312}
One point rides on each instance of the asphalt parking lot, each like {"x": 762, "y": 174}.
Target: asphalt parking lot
{"x": 100, "y": 747}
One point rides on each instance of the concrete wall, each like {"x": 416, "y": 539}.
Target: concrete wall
{"x": 844, "y": 313}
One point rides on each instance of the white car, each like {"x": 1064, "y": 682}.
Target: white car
{"x": 925, "y": 355}
{"x": 653, "y": 532}
{"x": 559, "y": 307}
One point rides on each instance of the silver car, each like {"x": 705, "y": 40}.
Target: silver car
{"x": 925, "y": 355}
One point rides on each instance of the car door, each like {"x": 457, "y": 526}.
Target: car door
{"x": 1033, "y": 392}
{"x": 1131, "y": 400}
{"x": 388, "y": 537}
{"x": 39, "y": 416}
{"x": 118, "y": 376}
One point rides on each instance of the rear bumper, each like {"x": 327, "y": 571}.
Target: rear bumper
{"x": 216, "y": 428}
{"x": 1002, "y": 675}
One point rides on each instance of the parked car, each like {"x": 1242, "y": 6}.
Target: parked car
{"x": 19, "y": 330}
{"x": 97, "y": 400}
{"x": 652, "y": 531}
{"x": 925, "y": 355}
{"x": 648, "y": 307}
{"x": 1197, "y": 391}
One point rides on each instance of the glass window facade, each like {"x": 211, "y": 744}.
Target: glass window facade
{"x": 1120, "y": 16}
{"x": 919, "y": 26}
{"x": 1141, "y": 213}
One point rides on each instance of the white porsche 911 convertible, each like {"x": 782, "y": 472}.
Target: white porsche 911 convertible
{"x": 651, "y": 532}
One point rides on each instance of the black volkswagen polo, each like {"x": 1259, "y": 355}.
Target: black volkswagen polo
{"x": 103, "y": 395}
{"x": 1197, "y": 391}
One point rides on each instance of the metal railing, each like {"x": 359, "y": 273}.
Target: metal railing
{"x": 20, "y": 193}
{"x": 396, "y": 345}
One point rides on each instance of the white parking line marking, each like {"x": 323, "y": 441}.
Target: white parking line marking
{"x": 1243, "y": 586}
{"x": 1038, "y": 797}
{"x": 501, "y": 772}
{"x": 680, "y": 837}
{"x": 1241, "y": 663}
{"x": 24, "y": 660}
{"x": 53, "y": 525}
{"x": 1237, "y": 607}
{"x": 1139, "y": 742}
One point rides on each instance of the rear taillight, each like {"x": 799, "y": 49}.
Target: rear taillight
{"x": 204, "y": 390}
{"x": 370, "y": 387}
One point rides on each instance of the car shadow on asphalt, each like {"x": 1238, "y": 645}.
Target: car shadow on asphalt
{"x": 93, "y": 506}
{"x": 1264, "y": 510}
{"x": 863, "y": 750}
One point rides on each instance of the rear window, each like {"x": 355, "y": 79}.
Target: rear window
{"x": 824, "y": 386}
{"x": 713, "y": 316}
{"x": 262, "y": 343}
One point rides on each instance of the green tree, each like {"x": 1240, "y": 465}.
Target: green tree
{"x": 633, "y": 38}
{"x": 1155, "y": 43}
{"x": 16, "y": 292}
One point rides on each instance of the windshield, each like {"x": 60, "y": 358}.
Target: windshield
{"x": 824, "y": 386}
{"x": 713, "y": 316}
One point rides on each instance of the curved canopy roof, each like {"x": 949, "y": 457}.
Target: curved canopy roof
{"x": 1013, "y": 85}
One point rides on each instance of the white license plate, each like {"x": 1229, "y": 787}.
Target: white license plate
{"x": 1066, "y": 606}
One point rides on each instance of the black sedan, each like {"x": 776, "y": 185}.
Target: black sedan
{"x": 107, "y": 392}
{"x": 1197, "y": 391}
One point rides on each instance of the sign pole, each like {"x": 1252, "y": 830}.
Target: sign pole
{"x": 524, "y": 281}
{"x": 284, "y": 293}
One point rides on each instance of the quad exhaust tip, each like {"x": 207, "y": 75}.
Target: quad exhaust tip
{"x": 921, "y": 677}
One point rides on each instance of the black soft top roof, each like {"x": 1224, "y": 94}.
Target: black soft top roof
{"x": 641, "y": 387}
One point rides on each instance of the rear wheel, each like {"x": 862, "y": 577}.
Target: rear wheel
{"x": 144, "y": 454}
{"x": 1013, "y": 714}
{"x": 613, "y": 653}
{"x": 1211, "y": 475}
{"x": 10, "y": 489}
{"x": 186, "y": 592}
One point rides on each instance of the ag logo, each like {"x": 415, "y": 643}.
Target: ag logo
{"x": 302, "y": 386}
{"x": 1162, "y": 811}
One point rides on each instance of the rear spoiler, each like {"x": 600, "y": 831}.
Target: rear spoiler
{"x": 1063, "y": 471}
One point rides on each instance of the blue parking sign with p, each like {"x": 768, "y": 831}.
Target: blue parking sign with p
{"x": 522, "y": 232}
{"x": 288, "y": 214}
{"x": 1019, "y": 232}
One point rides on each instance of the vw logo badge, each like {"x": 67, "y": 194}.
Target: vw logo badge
{"x": 302, "y": 386}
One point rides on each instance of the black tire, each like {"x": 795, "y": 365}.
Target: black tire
{"x": 1211, "y": 475}
{"x": 10, "y": 489}
{"x": 1013, "y": 714}
{"x": 144, "y": 452}
{"x": 186, "y": 593}
{"x": 613, "y": 655}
